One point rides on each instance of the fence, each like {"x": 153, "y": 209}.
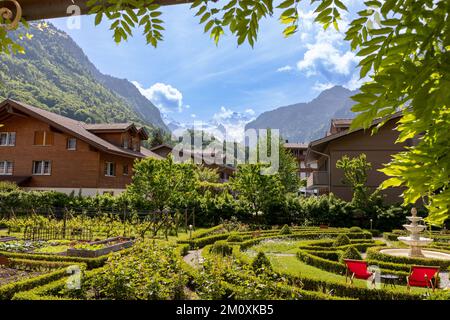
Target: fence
{"x": 53, "y": 233}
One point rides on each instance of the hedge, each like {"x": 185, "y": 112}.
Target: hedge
{"x": 49, "y": 291}
{"x": 303, "y": 236}
{"x": 374, "y": 254}
{"x": 7, "y": 291}
{"x": 339, "y": 288}
{"x": 310, "y": 258}
{"x": 91, "y": 263}
{"x": 206, "y": 232}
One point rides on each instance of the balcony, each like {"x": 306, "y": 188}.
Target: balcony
{"x": 318, "y": 179}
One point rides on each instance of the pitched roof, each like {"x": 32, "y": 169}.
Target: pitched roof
{"x": 348, "y": 131}
{"x": 150, "y": 154}
{"x": 73, "y": 127}
{"x": 161, "y": 146}
{"x": 289, "y": 145}
{"x": 341, "y": 122}
{"x": 108, "y": 126}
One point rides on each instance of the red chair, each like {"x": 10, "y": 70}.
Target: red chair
{"x": 357, "y": 269}
{"x": 422, "y": 276}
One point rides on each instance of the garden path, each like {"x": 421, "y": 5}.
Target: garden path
{"x": 194, "y": 258}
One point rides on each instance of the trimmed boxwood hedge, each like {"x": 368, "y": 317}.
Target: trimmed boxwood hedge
{"x": 310, "y": 258}
{"x": 91, "y": 263}
{"x": 339, "y": 288}
{"x": 374, "y": 254}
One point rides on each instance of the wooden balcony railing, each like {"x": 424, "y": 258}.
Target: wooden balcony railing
{"x": 318, "y": 179}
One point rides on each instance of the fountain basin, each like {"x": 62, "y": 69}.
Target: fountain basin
{"x": 421, "y": 242}
{"x": 426, "y": 253}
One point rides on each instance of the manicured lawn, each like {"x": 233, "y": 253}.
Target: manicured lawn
{"x": 277, "y": 246}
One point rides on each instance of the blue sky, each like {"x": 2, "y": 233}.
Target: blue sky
{"x": 190, "y": 78}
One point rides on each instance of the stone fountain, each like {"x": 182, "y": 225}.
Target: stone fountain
{"x": 414, "y": 240}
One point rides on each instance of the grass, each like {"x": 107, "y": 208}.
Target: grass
{"x": 277, "y": 246}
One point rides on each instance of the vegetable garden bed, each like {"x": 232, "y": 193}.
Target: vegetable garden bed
{"x": 101, "y": 248}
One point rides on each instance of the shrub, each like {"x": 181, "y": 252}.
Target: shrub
{"x": 350, "y": 253}
{"x": 6, "y": 186}
{"x": 222, "y": 248}
{"x": 376, "y": 233}
{"x": 341, "y": 240}
{"x": 235, "y": 238}
{"x": 355, "y": 229}
{"x": 390, "y": 236}
{"x": 261, "y": 262}
{"x": 285, "y": 230}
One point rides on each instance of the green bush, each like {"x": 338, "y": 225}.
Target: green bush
{"x": 376, "y": 233}
{"x": 261, "y": 262}
{"x": 341, "y": 240}
{"x": 390, "y": 236}
{"x": 235, "y": 238}
{"x": 350, "y": 253}
{"x": 285, "y": 230}
{"x": 222, "y": 248}
{"x": 355, "y": 229}
{"x": 6, "y": 186}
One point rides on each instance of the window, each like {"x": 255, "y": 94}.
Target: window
{"x": 125, "y": 170}
{"x": 43, "y": 138}
{"x": 71, "y": 144}
{"x": 125, "y": 143}
{"x": 110, "y": 169}
{"x": 42, "y": 168}
{"x": 6, "y": 168}
{"x": 7, "y": 139}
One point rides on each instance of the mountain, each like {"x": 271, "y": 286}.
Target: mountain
{"x": 55, "y": 74}
{"x": 304, "y": 122}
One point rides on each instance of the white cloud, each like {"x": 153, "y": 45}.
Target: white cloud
{"x": 318, "y": 86}
{"x": 355, "y": 82}
{"x": 325, "y": 49}
{"x": 193, "y": 115}
{"x": 234, "y": 122}
{"x": 284, "y": 69}
{"x": 250, "y": 112}
{"x": 167, "y": 98}
{"x": 325, "y": 54}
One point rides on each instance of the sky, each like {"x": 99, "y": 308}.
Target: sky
{"x": 189, "y": 78}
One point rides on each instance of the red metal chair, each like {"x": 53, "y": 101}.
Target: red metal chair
{"x": 423, "y": 276}
{"x": 357, "y": 269}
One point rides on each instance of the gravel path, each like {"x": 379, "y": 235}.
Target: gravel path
{"x": 194, "y": 258}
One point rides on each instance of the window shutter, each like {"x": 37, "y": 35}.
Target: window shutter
{"x": 49, "y": 137}
{"x": 39, "y": 138}
{"x": 106, "y": 169}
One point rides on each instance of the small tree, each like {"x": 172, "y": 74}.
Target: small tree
{"x": 355, "y": 175}
{"x": 164, "y": 186}
{"x": 288, "y": 170}
{"x": 256, "y": 190}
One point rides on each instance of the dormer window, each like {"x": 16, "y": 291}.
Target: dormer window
{"x": 125, "y": 143}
